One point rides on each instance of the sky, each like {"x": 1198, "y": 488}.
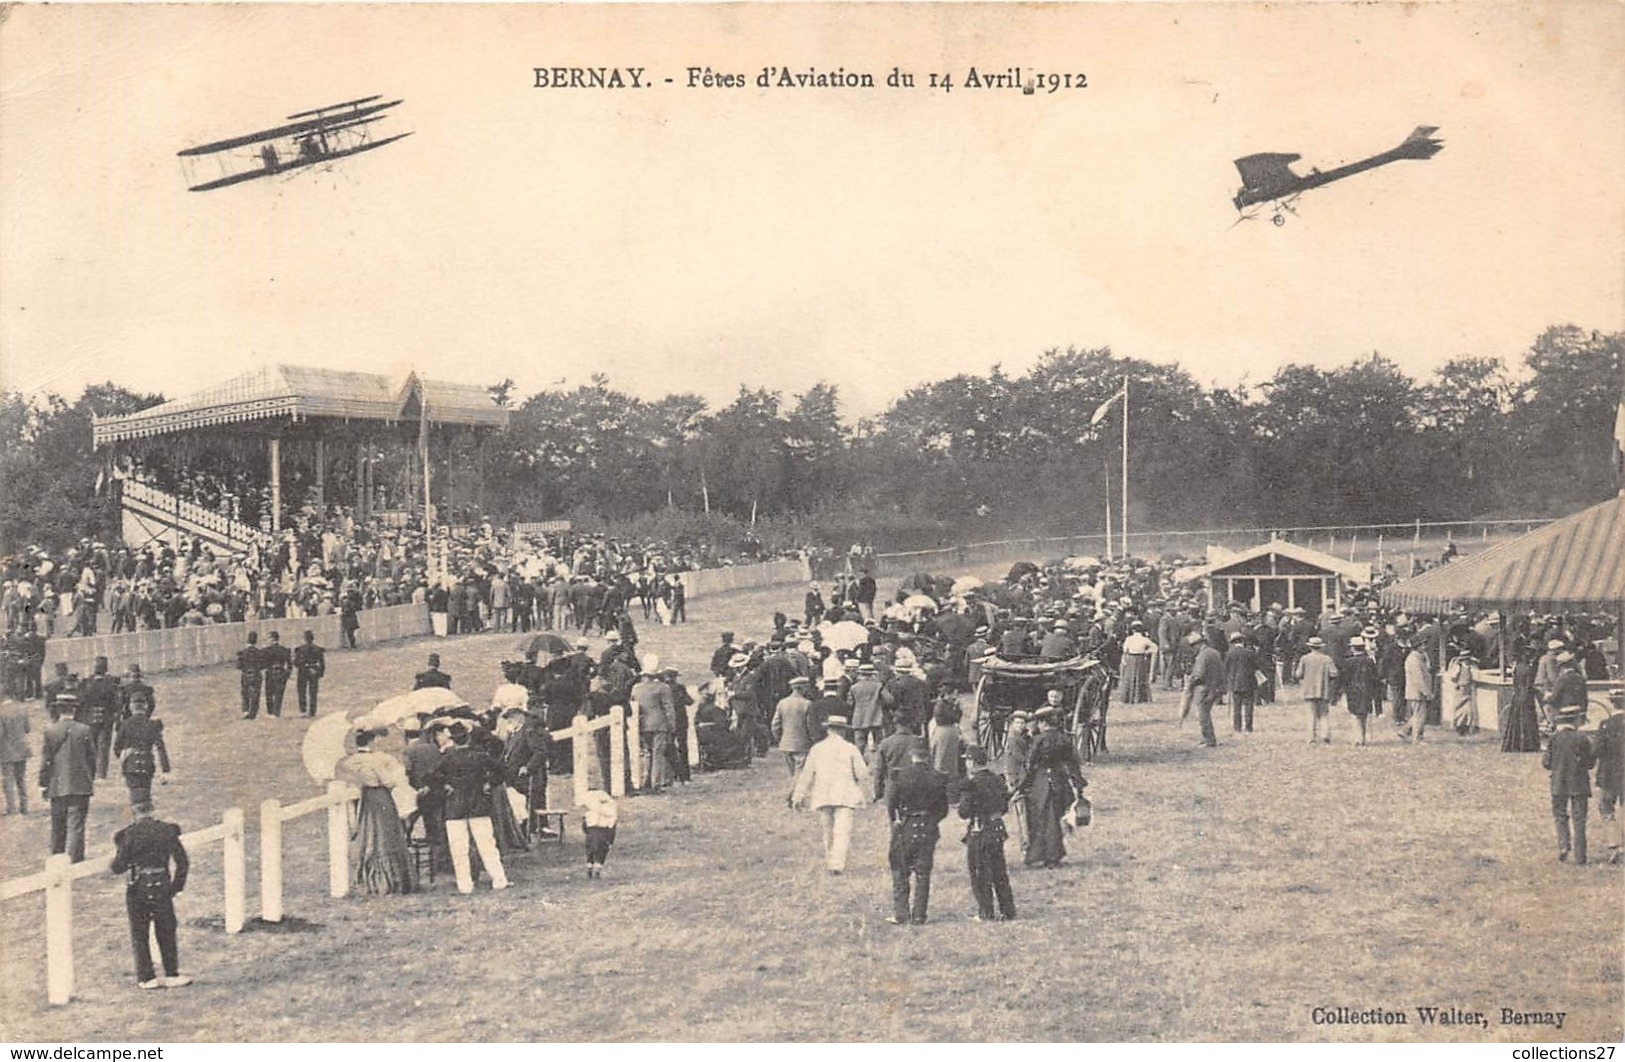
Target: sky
{"x": 680, "y": 239}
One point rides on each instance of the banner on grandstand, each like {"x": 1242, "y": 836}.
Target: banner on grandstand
{"x": 541, "y": 527}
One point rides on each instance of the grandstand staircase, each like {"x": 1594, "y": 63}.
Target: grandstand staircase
{"x": 147, "y": 514}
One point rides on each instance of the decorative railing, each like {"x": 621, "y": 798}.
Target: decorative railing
{"x": 191, "y": 517}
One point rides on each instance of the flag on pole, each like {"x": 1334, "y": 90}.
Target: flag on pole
{"x": 1106, "y": 406}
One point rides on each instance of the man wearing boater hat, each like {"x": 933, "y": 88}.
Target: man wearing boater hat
{"x": 1317, "y": 677}
{"x": 1569, "y": 757}
{"x": 833, "y": 781}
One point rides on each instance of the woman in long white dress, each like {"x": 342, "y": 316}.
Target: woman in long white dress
{"x": 379, "y": 860}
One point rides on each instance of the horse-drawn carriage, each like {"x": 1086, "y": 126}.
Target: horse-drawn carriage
{"x": 1005, "y": 686}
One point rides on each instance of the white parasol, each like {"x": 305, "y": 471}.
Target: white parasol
{"x": 509, "y": 695}
{"x": 844, "y": 636}
{"x": 326, "y": 743}
{"x": 965, "y": 584}
{"x": 419, "y": 702}
{"x": 920, "y": 601}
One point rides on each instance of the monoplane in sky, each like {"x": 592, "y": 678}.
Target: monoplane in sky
{"x": 310, "y": 138}
{"x": 1268, "y": 178}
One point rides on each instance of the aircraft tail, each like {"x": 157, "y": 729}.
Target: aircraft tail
{"x": 1421, "y": 144}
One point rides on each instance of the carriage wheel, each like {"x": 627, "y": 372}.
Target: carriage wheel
{"x": 1103, "y": 700}
{"x": 989, "y": 730}
{"x": 1083, "y": 725}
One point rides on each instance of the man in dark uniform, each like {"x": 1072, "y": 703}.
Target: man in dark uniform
{"x": 251, "y": 664}
{"x": 433, "y": 676}
{"x": 99, "y": 710}
{"x": 146, "y": 848}
{"x": 982, "y": 803}
{"x": 916, "y": 802}
{"x": 12, "y": 654}
{"x": 310, "y": 664}
{"x": 722, "y": 654}
{"x": 133, "y": 692}
{"x": 62, "y": 683}
{"x": 278, "y": 663}
{"x": 33, "y": 663}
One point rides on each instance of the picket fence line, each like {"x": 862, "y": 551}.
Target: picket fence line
{"x": 56, "y": 880}
{"x": 1368, "y": 540}
{"x": 744, "y": 577}
{"x": 217, "y": 643}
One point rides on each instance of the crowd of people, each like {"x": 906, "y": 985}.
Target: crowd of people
{"x": 860, "y": 697}
{"x": 327, "y": 563}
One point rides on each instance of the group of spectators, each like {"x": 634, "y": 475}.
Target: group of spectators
{"x": 327, "y": 563}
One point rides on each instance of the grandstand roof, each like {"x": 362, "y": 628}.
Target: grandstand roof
{"x": 299, "y": 392}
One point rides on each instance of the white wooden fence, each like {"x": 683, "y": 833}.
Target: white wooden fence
{"x": 56, "y": 880}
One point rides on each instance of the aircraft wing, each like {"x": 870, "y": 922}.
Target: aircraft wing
{"x": 1268, "y": 171}
{"x": 333, "y": 107}
{"x": 291, "y": 129}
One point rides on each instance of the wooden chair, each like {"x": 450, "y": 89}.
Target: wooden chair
{"x": 419, "y": 847}
{"x": 543, "y": 818}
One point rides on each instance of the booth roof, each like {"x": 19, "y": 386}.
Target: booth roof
{"x": 1576, "y": 564}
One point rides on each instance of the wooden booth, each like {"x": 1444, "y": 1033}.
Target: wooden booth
{"x": 1278, "y": 573}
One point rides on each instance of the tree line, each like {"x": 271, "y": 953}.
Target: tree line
{"x": 991, "y": 453}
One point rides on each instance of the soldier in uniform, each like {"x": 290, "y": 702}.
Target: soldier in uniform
{"x": 141, "y": 751}
{"x": 433, "y": 676}
{"x": 99, "y": 706}
{"x": 277, "y": 662}
{"x": 916, "y": 802}
{"x": 12, "y": 656}
{"x": 310, "y": 662}
{"x": 133, "y": 693}
{"x": 146, "y": 848}
{"x": 251, "y": 663}
{"x": 982, "y": 803}
{"x": 62, "y": 683}
{"x": 33, "y": 662}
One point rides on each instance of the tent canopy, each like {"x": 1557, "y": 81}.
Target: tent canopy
{"x": 1574, "y": 565}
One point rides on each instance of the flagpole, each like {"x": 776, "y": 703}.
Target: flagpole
{"x": 1107, "y": 468}
{"x": 1124, "y": 536}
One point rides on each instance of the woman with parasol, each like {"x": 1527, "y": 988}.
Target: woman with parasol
{"x": 378, "y": 855}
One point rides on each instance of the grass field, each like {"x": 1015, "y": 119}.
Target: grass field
{"x": 1221, "y": 895}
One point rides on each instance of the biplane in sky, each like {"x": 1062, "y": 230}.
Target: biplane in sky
{"x": 310, "y": 138}
{"x": 1268, "y": 178}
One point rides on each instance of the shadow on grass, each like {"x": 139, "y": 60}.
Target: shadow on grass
{"x": 217, "y": 923}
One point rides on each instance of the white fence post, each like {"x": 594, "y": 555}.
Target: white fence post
{"x": 235, "y": 868}
{"x": 693, "y": 739}
{"x": 338, "y": 840}
{"x": 580, "y": 739}
{"x": 617, "y": 751}
{"x": 59, "y": 930}
{"x": 634, "y": 745}
{"x": 271, "y": 860}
